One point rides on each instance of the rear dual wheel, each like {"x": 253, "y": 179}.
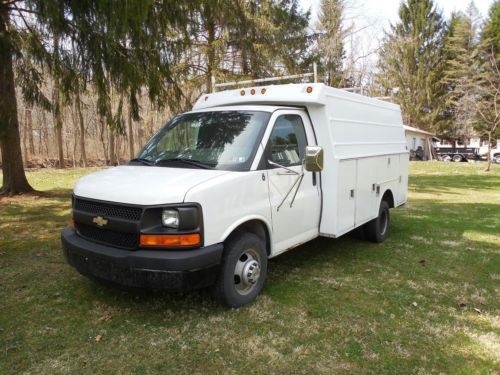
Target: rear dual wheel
{"x": 376, "y": 229}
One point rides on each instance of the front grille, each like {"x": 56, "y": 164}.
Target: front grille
{"x": 117, "y": 239}
{"x": 108, "y": 210}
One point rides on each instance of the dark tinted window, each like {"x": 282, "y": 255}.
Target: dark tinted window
{"x": 288, "y": 140}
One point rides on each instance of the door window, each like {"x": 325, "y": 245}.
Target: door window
{"x": 288, "y": 140}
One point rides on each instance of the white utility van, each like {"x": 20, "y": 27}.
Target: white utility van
{"x": 245, "y": 176}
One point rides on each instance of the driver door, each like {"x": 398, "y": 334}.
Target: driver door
{"x": 297, "y": 222}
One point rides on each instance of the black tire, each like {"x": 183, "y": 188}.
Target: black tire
{"x": 376, "y": 229}
{"x": 242, "y": 272}
{"x": 457, "y": 158}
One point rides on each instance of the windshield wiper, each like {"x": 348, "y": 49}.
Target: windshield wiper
{"x": 143, "y": 161}
{"x": 196, "y": 163}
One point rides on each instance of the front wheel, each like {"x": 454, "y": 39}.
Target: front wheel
{"x": 376, "y": 230}
{"x": 242, "y": 272}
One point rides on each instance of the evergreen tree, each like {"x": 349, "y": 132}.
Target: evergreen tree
{"x": 128, "y": 44}
{"x": 460, "y": 74}
{"x": 331, "y": 41}
{"x": 270, "y": 36}
{"x": 488, "y": 80}
{"x": 411, "y": 63}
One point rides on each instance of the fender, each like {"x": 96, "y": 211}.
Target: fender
{"x": 243, "y": 220}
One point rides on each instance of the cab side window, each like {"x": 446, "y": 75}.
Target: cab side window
{"x": 288, "y": 140}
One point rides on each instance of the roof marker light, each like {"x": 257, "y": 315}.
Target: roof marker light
{"x": 309, "y": 89}
{"x": 252, "y": 91}
{"x": 263, "y": 91}
{"x": 242, "y": 92}
{"x": 206, "y": 98}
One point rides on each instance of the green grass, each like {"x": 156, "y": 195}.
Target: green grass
{"x": 425, "y": 301}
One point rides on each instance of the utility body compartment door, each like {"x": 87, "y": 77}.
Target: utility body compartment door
{"x": 288, "y": 134}
{"x": 346, "y": 195}
{"x": 366, "y": 190}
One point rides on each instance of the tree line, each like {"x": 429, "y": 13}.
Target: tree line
{"x": 88, "y": 80}
{"x": 444, "y": 73}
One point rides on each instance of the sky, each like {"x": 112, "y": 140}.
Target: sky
{"x": 370, "y": 18}
{"x": 384, "y": 11}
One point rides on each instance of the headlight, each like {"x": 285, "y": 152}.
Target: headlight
{"x": 170, "y": 218}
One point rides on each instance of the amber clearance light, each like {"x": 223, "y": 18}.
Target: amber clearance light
{"x": 170, "y": 240}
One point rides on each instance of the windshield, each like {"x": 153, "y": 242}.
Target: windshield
{"x": 218, "y": 140}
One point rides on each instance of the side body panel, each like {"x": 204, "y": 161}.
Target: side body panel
{"x": 368, "y": 136}
{"x": 231, "y": 200}
{"x": 402, "y": 195}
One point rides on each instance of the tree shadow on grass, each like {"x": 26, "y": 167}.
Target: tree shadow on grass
{"x": 445, "y": 183}
{"x": 36, "y": 194}
{"x": 344, "y": 253}
{"x": 440, "y": 219}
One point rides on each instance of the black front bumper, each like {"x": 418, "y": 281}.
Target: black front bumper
{"x": 176, "y": 270}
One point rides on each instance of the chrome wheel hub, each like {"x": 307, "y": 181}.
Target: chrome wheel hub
{"x": 247, "y": 272}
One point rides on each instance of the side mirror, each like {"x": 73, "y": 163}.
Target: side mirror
{"x": 314, "y": 159}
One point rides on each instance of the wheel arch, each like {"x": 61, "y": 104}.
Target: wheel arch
{"x": 388, "y": 196}
{"x": 256, "y": 225}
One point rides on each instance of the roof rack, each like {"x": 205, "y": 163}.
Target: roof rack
{"x": 314, "y": 74}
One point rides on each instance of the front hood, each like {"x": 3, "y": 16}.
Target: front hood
{"x": 143, "y": 185}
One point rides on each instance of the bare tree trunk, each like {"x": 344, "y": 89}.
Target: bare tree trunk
{"x": 29, "y": 129}
{"x": 24, "y": 136}
{"x": 102, "y": 130}
{"x": 58, "y": 123}
{"x": 45, "y": 134}
{"x": 118, "y": 146}
{"x": 14, "y": 178}
{"x": 130, "y": 134}
{"x": 112, "y": 143}
{"x": 60, "y": 145}
{"x": 488, "y": 167}
{"x": 76, "y": 135}
{"x": 83, "y": 152}
{"x": 210, "y": 52}
{"x": 140, "y": 133}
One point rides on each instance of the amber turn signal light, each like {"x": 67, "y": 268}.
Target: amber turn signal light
{"x": 170, "y": 240}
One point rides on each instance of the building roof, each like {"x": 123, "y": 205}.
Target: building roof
{"x": 417, "y": 130}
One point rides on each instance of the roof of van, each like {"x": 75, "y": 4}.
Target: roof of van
{"x": 301, "y": 94}
{"x": 251, "y": 107}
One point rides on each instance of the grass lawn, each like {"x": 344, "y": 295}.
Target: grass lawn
{"x": 425, "y": 301}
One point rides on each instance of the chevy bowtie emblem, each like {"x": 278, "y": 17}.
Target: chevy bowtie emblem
{"x": 100, "y": 221}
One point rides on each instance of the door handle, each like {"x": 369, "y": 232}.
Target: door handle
{"x": 287, "y": 173}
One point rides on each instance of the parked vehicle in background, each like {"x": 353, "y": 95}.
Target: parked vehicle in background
{"x": 240, "y": 179}
{"x": 495, "y": 155}
{"x": 457, "y": 154}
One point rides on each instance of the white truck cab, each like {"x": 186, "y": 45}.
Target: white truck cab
{"x": 245, "y": 176}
